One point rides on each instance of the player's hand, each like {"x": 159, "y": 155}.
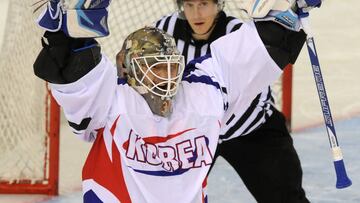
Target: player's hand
{"x": 76, "y": 18}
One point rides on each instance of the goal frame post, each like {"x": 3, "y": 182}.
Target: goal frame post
{"x": 49, "y": 186}
{"x": 286, "y": 108}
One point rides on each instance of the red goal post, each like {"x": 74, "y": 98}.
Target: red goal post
{"x": 29, "y": 117}
{"x": 42, "y": 178}
{"x": 286, "y": 94}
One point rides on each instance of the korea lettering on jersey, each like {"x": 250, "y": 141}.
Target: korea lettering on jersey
{"x": 151, "y": 167}
{"x": 140, "y": 157}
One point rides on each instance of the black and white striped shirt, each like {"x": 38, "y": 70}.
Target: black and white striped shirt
{"x": 262, "y": 106}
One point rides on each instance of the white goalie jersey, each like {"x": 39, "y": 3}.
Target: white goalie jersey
{"x": 140, "y": 157}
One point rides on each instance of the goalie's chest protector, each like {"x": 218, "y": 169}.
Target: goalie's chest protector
{"x": 140, "y": 157}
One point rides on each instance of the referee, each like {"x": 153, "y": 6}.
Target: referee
{"x": 256, "y": 143}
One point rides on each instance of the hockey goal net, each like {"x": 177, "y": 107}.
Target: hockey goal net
{"x": 29, "y": 117}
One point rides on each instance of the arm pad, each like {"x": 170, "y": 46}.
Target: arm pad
{"x": 64, "y": 60}
{"x": 283, "y": 45}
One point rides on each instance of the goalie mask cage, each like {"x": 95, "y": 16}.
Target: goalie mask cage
{"x": 29, "y": 116}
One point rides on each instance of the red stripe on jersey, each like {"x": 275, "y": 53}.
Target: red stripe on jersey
{"x": 105, "y": 172}
{"x": 113, "y": 127}
{"x": 204, "y": 184}
{"x": 158, "y": 139}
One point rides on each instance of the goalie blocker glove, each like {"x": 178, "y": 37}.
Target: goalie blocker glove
{"x": 76, "y": 18}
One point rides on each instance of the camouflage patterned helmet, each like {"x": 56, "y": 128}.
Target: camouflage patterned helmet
{"x": 148, "y": 41}
{"x": 144, "y": 51}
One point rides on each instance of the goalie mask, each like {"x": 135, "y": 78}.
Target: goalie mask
{"x": 153, "y": 67}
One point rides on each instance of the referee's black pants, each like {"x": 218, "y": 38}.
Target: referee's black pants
{"x": 267, "y": 162}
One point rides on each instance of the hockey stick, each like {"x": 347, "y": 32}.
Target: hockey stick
{"x": 343, "y": 180}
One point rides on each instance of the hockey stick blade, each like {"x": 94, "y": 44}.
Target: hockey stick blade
{"x": 342, "y": 180}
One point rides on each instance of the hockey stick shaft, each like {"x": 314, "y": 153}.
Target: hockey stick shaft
{"x": 343, "y": 180}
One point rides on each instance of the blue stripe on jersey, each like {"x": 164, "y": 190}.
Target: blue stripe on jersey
{"x": 121, "y": 81}
{"x": 191, "y": 64}
{"x": 190, "y": 67}
{"x": 201, "y": 79}
{"x": 90, "y": 196}
{"x": 163, "y": 173}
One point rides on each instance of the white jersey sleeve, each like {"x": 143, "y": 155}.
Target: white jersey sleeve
{"x": 246, "y": 66}
{"x": 87, "y": 101}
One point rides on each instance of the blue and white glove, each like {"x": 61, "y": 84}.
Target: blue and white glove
{"x": 290, "y": 18}
{"x": 51, "y": 17}
{"x": 279, "y": 11}
{"x": 76, "y": 18}
{"x": 304, "y": 6}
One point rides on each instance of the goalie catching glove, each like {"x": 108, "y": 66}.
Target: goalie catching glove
{"x": 76, "y": 18}
{"x": 284, "y": 12}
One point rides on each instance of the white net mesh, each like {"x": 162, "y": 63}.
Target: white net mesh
{"x": 22, "y": 99}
